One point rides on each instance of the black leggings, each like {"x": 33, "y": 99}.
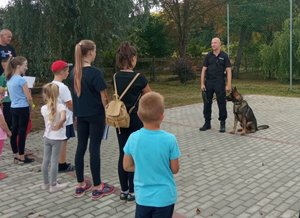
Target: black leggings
{"x": 7, "y": 114}
{"x": 126, "y": 178}
{"x": 92, "y": 128}
{"x": 20, "y": 119}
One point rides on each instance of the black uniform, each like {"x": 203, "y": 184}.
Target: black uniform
{"x": 215, "y": 82}
{"x": 5, "y": 52}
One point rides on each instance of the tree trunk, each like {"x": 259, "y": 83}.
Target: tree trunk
{"x": 239, "y": 56}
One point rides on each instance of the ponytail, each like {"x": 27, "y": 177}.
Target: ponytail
{"x": 78, "y": 70}
{"x": 81, "y": 50}
{"x": 50, "y": 94}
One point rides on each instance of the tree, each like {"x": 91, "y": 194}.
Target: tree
{"x": 255, "y": 16}
{"x": 45, "y": 30}
{"x": 154, "y": 39}
{"x": 186, "y": 15}
{"x": 275, "y": 57}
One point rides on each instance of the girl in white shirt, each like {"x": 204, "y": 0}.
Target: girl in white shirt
{"x": 55, "y": 132}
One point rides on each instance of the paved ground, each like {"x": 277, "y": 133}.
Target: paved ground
{"x": 221, "y": 175}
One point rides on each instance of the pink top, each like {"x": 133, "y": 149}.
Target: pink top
{"x": 3, "y": 134}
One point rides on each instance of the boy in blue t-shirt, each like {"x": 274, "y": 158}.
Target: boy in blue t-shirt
{"x": 153, "y": 155}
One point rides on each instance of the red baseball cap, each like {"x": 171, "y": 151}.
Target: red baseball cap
{"x": 59, "y": 65}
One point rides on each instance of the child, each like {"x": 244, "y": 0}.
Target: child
{"x": 126, "y": 59}
{"x": 89, "y": 94}
{"x": 54, "y": 115}
{"x": 4, "y": 130}
{"x": 153, "y": 155}
{"x": 21, "y": 103}
{"x": 60, "y": 70}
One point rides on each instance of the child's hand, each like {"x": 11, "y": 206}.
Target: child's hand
{"x": 9, "y": 133}
{"x": 55, "y": 127}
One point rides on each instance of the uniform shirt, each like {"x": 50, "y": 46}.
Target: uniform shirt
{"x": 5, "y": 52}
{"x": 16, "y": 93}
{"x": 49, "y": 133}
{"x": 63, "y": 97}
{"x": 133, "y": 93}
{"x": 152, "y": 151}
{"x": 216, "y": 65}
{"x": 89, "y": 102}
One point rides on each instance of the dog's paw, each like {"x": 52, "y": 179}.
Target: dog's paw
{"x": 232, "y": 132}
{"x": 243, "y": 133}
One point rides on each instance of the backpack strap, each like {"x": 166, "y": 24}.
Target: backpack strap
{"x": 129, "y": 85}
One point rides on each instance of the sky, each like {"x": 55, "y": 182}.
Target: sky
{"x": 3, "y": 3}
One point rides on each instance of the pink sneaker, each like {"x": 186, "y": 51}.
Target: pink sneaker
{"x": 105, "y": 190}
{"x": 80, "y": 190}
{"x": 2, "y": 175}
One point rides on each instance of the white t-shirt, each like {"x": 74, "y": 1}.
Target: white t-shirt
{"x": 49, "y": 133}
{"x": 63, "y": 97}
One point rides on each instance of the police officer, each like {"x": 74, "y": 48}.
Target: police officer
{"x": 216, "y": 68}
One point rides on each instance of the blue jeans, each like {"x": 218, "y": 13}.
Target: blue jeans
{"x": 154, "y": 212}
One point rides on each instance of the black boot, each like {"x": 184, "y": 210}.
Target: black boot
{"x": 206, "y": 126}
{"x": 222, "y": 126}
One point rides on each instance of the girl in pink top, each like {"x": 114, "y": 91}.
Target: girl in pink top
{"x": 4, "y": 131}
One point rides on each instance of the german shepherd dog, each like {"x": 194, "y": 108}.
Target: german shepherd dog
{"x": 243, "y": 114}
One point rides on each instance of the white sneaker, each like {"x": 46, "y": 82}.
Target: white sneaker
{"x": 58, "y": 187}
{"x": 45, "y": 186}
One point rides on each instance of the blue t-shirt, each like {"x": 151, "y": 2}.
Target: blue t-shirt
{"x": 16, "y": 93}
{"x": 152, "y": 151}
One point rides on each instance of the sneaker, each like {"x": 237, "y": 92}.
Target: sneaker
{"x": 58, "y": 187}
{"x": 131, "y": 197}
{"x": 2, "y": 175}
{"x": 80, "y": 190}
{"x": 25, "y": 161}
{"x": 67, "y": 167}
{"x": 99, "y": 193}
{"x": 123, "y": 196}
{"x": 45, "y": 186}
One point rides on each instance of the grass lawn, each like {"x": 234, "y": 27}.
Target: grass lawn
{"x": 177, "y": 94}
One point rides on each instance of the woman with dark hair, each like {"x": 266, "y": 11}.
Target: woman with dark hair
{"x": 126, "y": 59}
{"x": 89, "y": 96}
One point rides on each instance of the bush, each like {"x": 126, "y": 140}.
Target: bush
{"x": 183, "y": 68}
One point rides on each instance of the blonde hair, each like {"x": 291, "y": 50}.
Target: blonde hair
{"x": 124, "y": 55}
{"x": 151, "y": 107}
{"x": 50, "y": 94}
{"x": 81, "y": 50}
{"x": 12, "y": 64}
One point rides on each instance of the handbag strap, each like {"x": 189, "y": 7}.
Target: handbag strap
{"x": 129, "y": 85}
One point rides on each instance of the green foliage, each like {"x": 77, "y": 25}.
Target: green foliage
{"x": 45, "y": 30}
{"x": 153, "y": 39}
{"x": 275, "y": 58}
